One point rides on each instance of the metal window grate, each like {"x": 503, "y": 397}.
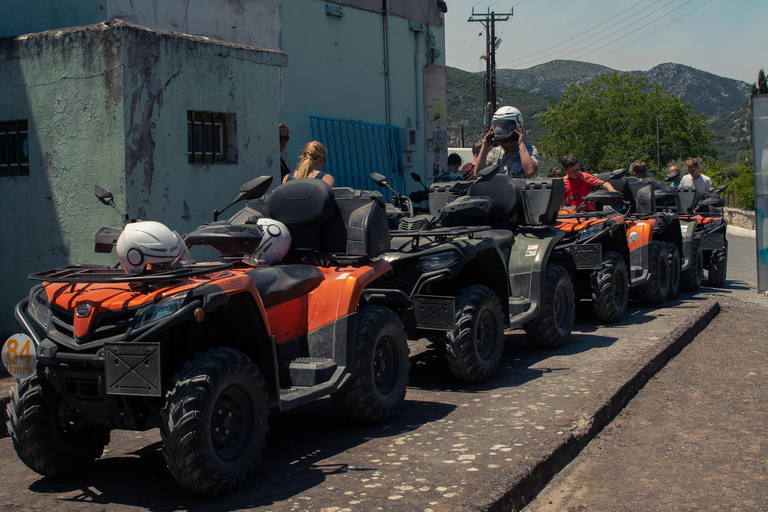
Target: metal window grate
{"x": 14, "y": 148}
{"x": 357, "y": 149}
{"x": 206, "y": 137}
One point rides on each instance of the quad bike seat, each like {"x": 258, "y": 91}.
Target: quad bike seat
{"x": 280, "y": 283}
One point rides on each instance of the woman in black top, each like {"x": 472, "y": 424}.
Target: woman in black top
{"x": 312, "y": 160}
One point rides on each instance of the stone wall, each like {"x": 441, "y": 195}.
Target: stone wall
{"x": 740, "y": 218}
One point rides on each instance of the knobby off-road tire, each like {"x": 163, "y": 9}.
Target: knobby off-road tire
{"x": 215, "y": 422}
{"x": 377, "y": 385}
{"x": 553, "y": 325}
{"x": 473, "y": 350}
{"x": 610, "y": 288}
{"x": 655, "y": 290}
{"x": 718, "y": 266}
{"x": 673, "y": 256}
{"x": 50, "y": 436}
{"x": 690, "y": 280}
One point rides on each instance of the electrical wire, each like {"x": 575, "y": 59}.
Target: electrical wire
{"x": 581, "y": 34}
{"x": 627, "y": 35}
{"x": 649, "y": 33}
{"x": 619, "y": 29}
{"x": 470, "y": 47}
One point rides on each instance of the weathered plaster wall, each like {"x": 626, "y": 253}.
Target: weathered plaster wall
{"x": 28, "y": 16}
{"x": 248, "y": 22}
{"x": 337, "y": 70}
{"x": 67, "y": 84}
{"x": 169, "y": 74}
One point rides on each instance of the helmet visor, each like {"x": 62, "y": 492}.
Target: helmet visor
{"x": 504, "y": 129}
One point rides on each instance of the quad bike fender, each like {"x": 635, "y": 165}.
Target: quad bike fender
{"x": 688, "y": 233}
{"x": 639, "y": 237}
{"x": 526, "y": 269}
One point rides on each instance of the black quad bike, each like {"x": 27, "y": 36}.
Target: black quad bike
{"x": 481, "y": 261}
{"x": 704, "y": 229}
{"x": 207, "y": 351}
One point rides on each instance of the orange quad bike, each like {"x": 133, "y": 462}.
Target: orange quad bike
{"x": 207, "y": 351}
{"x": 656, "y": 249}
{"x": 596, "y": 242}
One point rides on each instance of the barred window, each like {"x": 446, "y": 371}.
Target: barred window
{"x": 208, "y": 137}
{"x": 14, "y": 148}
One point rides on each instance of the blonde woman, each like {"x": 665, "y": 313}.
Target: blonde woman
{"x": 312, "y": 161}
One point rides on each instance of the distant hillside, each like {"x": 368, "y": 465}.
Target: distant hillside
{"x": 724, "y": 101}
{"x": 465, "y": 106}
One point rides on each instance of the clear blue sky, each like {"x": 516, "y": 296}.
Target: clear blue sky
{"x": 725, "y": 37}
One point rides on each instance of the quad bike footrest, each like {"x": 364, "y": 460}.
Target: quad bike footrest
{"x": 310, "y": 371}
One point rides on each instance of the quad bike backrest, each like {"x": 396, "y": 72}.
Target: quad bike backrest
{"x": 542, "y": 198}
{"x": 506, "y": 197}
{"x": 666, "y": 197}
{"x": 639, "y": 192}
{"x": 321, "y": 219}
{"x": 442, "y": 193}
{"x": 688, "y": 197}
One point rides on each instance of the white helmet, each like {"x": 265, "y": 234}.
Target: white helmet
{"x": 274, "y": 244}
{"x": 505, "y": 121}
{"x": 149, "y": 242}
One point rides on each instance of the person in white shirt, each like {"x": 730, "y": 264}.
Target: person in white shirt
{"x": 695, "y": 179}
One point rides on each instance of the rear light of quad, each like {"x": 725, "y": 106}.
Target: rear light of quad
{"x": 437, "y": 261}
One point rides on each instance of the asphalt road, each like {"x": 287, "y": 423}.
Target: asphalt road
{"x": 452, "y": 447}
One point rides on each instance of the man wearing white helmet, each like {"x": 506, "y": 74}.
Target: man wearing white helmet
{"x": 514, "y": 156}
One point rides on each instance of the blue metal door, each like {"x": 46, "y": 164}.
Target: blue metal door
{"x": 357, "y": 149}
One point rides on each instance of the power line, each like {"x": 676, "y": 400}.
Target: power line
{"x": 619, "y": 29}
{"x": 470, "y": 47}
{"x": 579, "y": 35}
{"x": 649, "y": 33}
{"x": 627, "y": 35}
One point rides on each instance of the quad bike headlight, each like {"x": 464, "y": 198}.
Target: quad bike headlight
{"x": 437, "y": 261}
{"x": 589, "y": 232}
{"x": 156, "y": 312}
{"x": 39, "y": 307}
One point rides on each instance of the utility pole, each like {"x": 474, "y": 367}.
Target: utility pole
{"x": 488, "y": 21}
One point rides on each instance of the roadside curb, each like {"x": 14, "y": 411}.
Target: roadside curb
{"x": 515, "y": 487}
{"x": 737, "y": 231}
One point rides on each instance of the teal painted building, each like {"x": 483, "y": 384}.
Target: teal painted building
{"x": 172, "y": 105}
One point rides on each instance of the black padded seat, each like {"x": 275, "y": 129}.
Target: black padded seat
{"x": 280, "y": 283}
{"x": 503, "y": 237}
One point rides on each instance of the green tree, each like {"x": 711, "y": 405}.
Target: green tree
{"x": 762, "y": 86}
{"x": 611, "y": 121}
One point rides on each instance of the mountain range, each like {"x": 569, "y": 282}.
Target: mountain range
{"x": 724, "y": 101}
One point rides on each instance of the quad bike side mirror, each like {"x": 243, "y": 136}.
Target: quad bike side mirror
{"x": 253, "y": 189}
{"x": 105, "y": 196}
{"x": 672, "y": 176}
{"x": 379, "y": 179}
{"x": 720, "y": 189}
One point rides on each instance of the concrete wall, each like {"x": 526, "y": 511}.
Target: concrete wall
{"x": 337, "y": 69}
{"x": 249, "y": 22}
{"x": 108, "y": 104}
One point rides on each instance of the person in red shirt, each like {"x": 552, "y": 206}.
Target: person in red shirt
{"x": 578, "y": 184}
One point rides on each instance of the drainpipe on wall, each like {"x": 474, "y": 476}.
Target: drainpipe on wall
{"x": 386, "y": 62}
{"x": 416, "y": 81}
